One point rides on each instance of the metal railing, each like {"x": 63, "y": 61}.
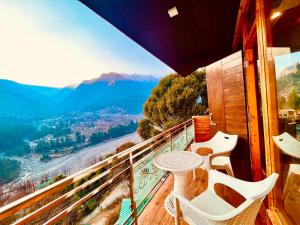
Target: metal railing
{"x": 57, "y": 201}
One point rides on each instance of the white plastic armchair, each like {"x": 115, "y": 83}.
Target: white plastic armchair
{"x": 209, "y": 209}
{"x": 288, "y": 144}
{"x": 221, "y": 145}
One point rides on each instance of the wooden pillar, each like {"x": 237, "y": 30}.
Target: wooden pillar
{"x": 268, "y": 98}
{"x": 253, "y": 114}
{"x": 252, "y": 99}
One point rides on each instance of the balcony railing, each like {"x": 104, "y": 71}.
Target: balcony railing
{"x": 57, "y": 202}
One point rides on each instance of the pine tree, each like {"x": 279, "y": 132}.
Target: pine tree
{"x": 174, "y": 100}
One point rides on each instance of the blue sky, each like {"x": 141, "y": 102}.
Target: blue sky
{"x": 61, "y": 42}
{"x": 283, "y": 61}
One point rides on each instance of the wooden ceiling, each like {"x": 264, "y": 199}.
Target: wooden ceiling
{"x": 200, "y": 34}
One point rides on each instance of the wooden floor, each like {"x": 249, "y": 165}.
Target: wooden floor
{"x": 155, "y": 213}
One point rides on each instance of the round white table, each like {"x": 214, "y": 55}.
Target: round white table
{"x": 179, "y": 163}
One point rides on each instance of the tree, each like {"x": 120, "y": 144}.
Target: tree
{"x": 293, "y": 100}
{"x": 45, "y": 157}
{"x": 145, "y": 129}
{"x": 174, "y": 100}
{"x": 83, "y": 138}
{"x": 78, "y": 137}
{"x": 125, "y": 146}
{"x": 282, "y": 102}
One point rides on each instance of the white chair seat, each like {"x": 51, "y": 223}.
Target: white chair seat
{"x": 207, "y": 202}
{"x": 220, "y": 161}
{"x": 211, "y": 203}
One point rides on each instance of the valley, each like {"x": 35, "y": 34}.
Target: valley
{"x": 41, "y": 127}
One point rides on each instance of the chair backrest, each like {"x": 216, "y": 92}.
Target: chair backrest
{"x": 202, "y": 128}
{"x": 254, "y": 192}
{"x": 245, "y": 214}
{"x": 288, "y": 144}
{"x": 250, "y": 208}
{"x": 222, "y": 142}
{"x": 250, "y": 190}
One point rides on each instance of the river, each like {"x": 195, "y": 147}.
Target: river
{"x": 34, "y": 169}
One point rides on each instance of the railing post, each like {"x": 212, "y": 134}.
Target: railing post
{"x": 185, "y": 131}
{"x": 131, "y": 186}
{"x": 171, "y": 139}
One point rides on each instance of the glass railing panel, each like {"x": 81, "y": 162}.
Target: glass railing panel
{"x": 190, "y": 133}
{"x": 179, "y": 142}
{"x": 147, "y": 176}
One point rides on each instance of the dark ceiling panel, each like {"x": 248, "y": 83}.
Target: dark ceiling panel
{"x": 200, "y": 34}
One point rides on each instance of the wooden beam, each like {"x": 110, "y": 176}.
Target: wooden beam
{"x": 244, "y": 7}
{"x": 268, "y": 97}
{"x": 250, "y": 40}
{"x": 253, "y": 114}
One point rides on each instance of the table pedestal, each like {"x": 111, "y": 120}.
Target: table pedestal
{"x": 180, "y": 163}
{"x": 181, "y": 184}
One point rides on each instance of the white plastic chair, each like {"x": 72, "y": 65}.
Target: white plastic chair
{"x": 209, "y": 209}
{"x": 221, "y": 145}
{"x": 292, "y": 182}
{"x": 288, "y": 144}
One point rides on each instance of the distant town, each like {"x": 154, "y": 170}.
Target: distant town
{"x": 62, "y": 135}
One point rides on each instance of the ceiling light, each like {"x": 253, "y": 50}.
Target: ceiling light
{"x": 275, "y": 15}
{"x": 173, "y": 12}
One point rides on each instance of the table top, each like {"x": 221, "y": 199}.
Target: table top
{"x": 178, "y": 161}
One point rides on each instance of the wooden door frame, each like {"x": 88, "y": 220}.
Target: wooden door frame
{"x": 260, "y": 33}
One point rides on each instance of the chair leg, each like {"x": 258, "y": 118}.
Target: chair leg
{"x": 194, "y": 174}
{"x": 177, "y": 212}
{"x": 229, "y": 170}
{"x": 194, "y": 171}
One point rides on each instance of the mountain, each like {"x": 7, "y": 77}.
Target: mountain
{"x": 62, "y": 93}
{"x": 289, "y": 80}
{"x": 17, "y": 99}
{"x": 128, "y": 92}
{"x": 289, "y": 70}
{"x": 109, "y": 90}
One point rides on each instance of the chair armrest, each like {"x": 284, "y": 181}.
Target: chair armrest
{"x": 242, "y": 187}
{"x": 214, "y": 155}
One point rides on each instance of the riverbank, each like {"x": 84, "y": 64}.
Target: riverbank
{"x": 34, "y": 169}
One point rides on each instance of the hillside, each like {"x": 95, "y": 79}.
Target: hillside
{"x": 19, "y": 99}
{"x": 289, "y": 79}
{"x": 288, "y": 87}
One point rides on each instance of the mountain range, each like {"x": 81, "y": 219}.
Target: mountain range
{"x": 128, "y": 92}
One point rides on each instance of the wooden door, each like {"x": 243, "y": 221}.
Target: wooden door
{"x": 227, "y": 103}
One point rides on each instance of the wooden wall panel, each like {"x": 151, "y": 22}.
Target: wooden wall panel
{"x": 215, "y": 94}
{"x": 227, "y": 103}
{"x": 234, "y": 96}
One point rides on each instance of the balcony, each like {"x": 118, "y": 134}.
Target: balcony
{"x": 92, "y": 195}
{"x": 242, "y": 96}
